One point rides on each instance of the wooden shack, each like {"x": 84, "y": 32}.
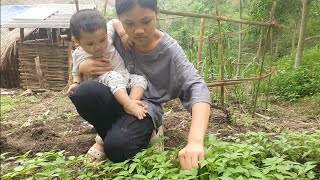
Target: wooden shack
{"x": 43, "y": 60}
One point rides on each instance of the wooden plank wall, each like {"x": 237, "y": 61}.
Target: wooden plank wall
{"x": 53, "y": 63}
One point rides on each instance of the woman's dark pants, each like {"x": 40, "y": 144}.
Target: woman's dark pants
{"x": 124, "y": 135}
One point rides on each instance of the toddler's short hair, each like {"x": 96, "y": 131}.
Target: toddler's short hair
{"x": 87, "y": 20}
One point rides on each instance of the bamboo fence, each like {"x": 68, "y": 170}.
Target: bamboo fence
{"x": 52, "y": 66}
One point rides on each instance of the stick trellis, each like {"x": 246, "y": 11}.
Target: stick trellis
{"x": 271, "y": 24}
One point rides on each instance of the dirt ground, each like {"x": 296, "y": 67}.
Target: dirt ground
{"x": 53, "y": 123}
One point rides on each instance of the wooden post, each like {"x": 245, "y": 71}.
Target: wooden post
{"x": 200, "y": 45}
{"x": 21, "y": 35}
{"x": 39, "y": 73}
{"x": 70, "y": 63}
{"x": 77, "y": 5}
{"x": 105, "y": 5}
{"x": 55, "y": 35}
{"x": 49, "y": 34}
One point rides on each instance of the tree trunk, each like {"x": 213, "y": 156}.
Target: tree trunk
{"x": 303, "y": 26}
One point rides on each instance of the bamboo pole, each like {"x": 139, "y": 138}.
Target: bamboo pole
{"x": 221, "y": 18}
{"x": 272, "y": 70}
{"x": 220, "y": 55}
{"x": 259, "y": 51}
{"x": 263, "y": 58}
{"x": 240, "y": 41}
{"x": 215, "y": 84}
{"x": 272, "y": 59}
{"x": 210, "y": 55}
{"x": 200, "y": 45}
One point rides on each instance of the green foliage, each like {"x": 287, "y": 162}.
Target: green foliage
{"x": 263, "y": 156}
{"x": 243, "y": 156}
{"x": 294, "y": 83}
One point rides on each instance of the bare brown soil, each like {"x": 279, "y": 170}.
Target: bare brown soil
{"x": 53, "y": 123}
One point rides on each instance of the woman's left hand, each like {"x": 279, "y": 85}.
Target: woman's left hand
{"x": 190, "y": 156}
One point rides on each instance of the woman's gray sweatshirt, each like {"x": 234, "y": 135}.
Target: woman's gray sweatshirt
{"x": 170, "y": 76}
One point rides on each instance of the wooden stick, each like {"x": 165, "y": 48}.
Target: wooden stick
{"x": 263, "y": 116}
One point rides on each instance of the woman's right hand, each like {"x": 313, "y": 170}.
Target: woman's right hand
{"x": 94, "y": 67}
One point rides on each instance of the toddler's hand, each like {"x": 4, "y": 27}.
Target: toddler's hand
{"x": 127, "y": 43}
{"x": 72, "y": 88}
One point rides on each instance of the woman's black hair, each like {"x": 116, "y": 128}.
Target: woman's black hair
{"x": 123, "y": 6}
{"x": 87, "y": 20}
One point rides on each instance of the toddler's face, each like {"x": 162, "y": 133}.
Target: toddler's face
{"x": 94, "y": 43}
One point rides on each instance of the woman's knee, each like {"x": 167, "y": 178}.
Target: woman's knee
{"x": 127, "y": 137}
{"x": 115, "y": 146}
{"x": 89, "y": 89}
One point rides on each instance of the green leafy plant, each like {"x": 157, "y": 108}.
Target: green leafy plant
{"x": 253, "y": 155}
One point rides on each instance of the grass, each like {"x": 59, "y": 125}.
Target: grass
{"x": 11, "y": 103}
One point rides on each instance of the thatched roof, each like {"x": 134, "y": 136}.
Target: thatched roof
{"x": 9, "y": 39}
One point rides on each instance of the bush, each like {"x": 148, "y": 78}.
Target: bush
{"x": 293, "y": 83}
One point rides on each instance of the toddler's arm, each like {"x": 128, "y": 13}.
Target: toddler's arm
{"x": 77, "y": 79}
{"x": 117, "y": 25}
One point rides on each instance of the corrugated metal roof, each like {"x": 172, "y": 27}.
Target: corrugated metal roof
{"x": 60, "y": 19}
